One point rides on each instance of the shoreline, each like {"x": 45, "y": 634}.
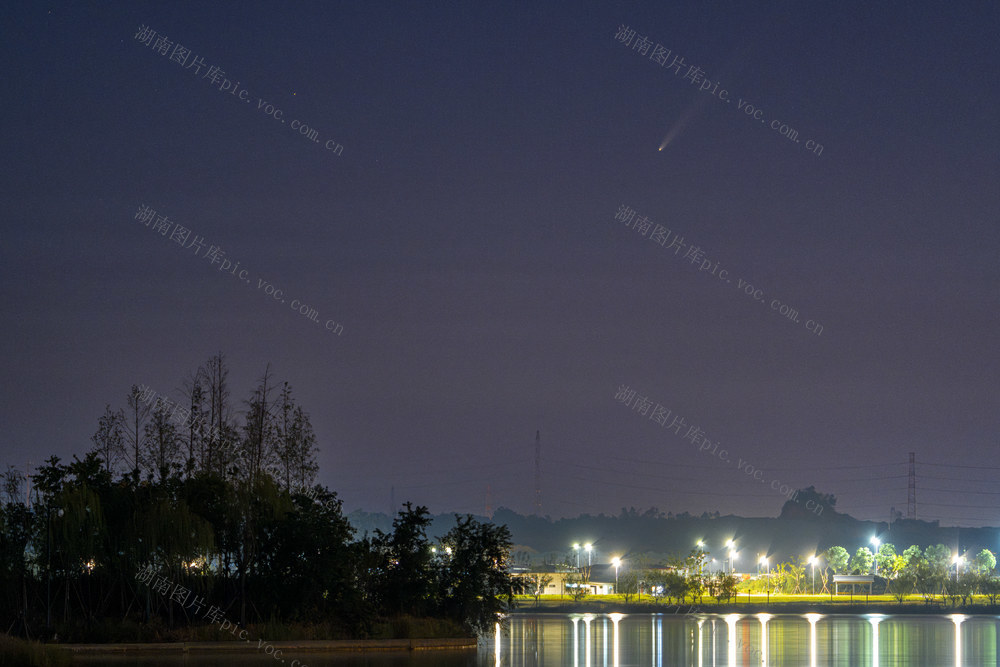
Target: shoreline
{"x": 789, "y": 607}
{"x": 304, "y": 646}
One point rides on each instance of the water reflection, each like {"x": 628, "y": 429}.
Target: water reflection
{"x": 957, "y": 620}
{"x": 875, "y": 619}
{"x": 615, "y": 618}
{"x": 731, "y": 620}
{"x": 765, "y": 640}
{"x": 764, "y": 618}
{"x": 643, "y": 640}
{"x": 701, "y": 622}
{"x": 496, "y": 645}
{"x": 813, "y": 619}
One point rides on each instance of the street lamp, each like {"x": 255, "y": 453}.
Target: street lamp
{"x": 732, "y": 561}
{"x": 576, "y": 548}
{"x": 767, "y": 572}
{"x": 588, "y": 547}
{"x": 957, "y": 560}
{"x": 701, "y": 550}
{"x": 616, "y": 562}
{"x": 812, "y": 561}
{"x": 876, "y": 543}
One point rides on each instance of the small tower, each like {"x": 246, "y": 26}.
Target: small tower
{"x": 911, "y": 490}
{"x": 538, "y": 473}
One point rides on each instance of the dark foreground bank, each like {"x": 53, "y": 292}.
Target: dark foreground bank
{"x": 20, "y": 652}
{"x": 272, "y": 648}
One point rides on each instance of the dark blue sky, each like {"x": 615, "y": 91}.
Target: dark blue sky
{"x": 466, "y": 241}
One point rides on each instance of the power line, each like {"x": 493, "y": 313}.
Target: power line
{"x": 672, "y": 464}
{"x": 954, "y": 465}
{"x": 603, "y": 454}
{"x": 685, "y": 493}
{"x": 958, "y": 479}
{"x": 911, "y": 489}
{"x": 966, "y": 491}
{"x": 538, "y": 473}
{"x": 989, "y": 509}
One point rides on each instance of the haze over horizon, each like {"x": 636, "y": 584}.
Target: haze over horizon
{"x": 493, "y": 238}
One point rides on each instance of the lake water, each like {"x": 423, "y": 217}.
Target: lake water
{"x": 657, "y": 640}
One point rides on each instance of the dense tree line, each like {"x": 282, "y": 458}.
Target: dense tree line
{"x": 932, "y": 572}
{"x": 682, "y": 578}
{"x": 685, "y": 577}
{"x": 176, "y": 522}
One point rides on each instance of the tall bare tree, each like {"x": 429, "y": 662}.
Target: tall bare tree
{"x": 11, "y": 485}
{"x": 134, "y": 422}
{"x": 259, "y": 433}
{"x": 109, "y": 439}
{"x": 163, "y": 444}
{"x": 194, "y": 432}
{"x": 221, "y": 434}
{"x": 296, "y": 443}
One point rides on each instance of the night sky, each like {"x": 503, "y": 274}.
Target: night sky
{"x": 507, "y": 250}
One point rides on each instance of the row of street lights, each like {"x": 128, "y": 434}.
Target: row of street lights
{"x": 617, "y": 562}
{"x": 732, "y": 555}
{"x": 730, "y": 545}
{"x": 589, "y": 548}
{"x": 576, "y": 548}
{"x": 731, "y": 549}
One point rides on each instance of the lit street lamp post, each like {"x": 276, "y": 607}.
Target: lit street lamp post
{"x": 616, "y": 562}
{"x": 589, "y": 548}
{"x": 876, "y": 543}
{"x": 767, "y": 574}
{"x": 812, "y": 561}
{"x": 958, "y": 560}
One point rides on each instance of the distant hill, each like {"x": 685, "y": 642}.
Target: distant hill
{"x": 652, "y": 536}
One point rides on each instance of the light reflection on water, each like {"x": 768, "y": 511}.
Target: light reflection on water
{"x": 745, "y": 640}
{"x": 659, "y": 640}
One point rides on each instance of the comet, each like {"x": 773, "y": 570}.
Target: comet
{"x": 682, "y": 121}
{"x": 696, "y": 106}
